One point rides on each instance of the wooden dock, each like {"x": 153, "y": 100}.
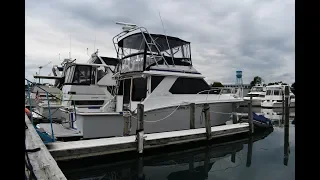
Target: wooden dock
{"x": 43, "y": 164}
{"x": 96, "y": 147}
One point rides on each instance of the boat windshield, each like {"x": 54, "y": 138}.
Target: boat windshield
{"x": 226, "y": 91}
{"x": 84, "y": 74}
{"x": 257, "y": 89}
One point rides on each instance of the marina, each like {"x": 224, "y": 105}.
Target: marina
{"x": 155, "y": 108}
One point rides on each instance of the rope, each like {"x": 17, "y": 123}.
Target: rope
{"x": 166, "y": 116}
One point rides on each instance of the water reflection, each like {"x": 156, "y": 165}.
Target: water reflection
{"x": 267, "y": 155}
{"x": 276, "y": 114}
{"x": 193, "y": 162}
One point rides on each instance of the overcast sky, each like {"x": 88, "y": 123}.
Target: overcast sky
{"x": 255, "y": 36}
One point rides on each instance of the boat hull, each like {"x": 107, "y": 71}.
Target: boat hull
{"x": 54, "y": 110}
{"x": 95, "y": 125}
{"x": 273, "y": 104}
{"x": 255, "y": 101}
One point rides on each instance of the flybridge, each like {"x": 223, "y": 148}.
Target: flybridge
{"x": 138, "y": 50}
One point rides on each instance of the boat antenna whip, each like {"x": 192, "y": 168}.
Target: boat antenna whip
{"x": 166, "y": 38}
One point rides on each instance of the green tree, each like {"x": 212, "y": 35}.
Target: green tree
{"x": 216, "y": 84}
{"x": 256, "y": 80}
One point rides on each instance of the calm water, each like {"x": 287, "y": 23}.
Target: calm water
{"x": 267, "y": 155}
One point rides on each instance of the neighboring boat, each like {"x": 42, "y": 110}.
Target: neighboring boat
{"x": 154, "y": 70}
{"x": 83, "y": 85}
{"x": 273, "y": 97}
{"x": 257, "y": 93}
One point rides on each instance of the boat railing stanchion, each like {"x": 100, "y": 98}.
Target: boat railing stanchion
{"x": 140, "y": 128}
{"x": 192, "y": 115}
{"x": 250, "y": 118}
{"x": 206, "y": 110}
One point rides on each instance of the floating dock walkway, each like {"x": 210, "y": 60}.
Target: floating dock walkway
{"x": 86, "y": 148}
{"x": 42, "y": 164}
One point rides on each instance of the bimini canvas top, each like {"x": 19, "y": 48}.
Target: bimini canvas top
{"x": 135, "y": 41}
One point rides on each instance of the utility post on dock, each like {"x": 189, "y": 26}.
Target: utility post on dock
{"x": 250, "y": 120}
{"x": 140, "y": 128}
{"x": 192, "y": 115}
{"x": 206, "y": 110}
{"x": 286, "y": 126}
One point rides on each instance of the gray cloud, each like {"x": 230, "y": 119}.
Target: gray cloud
{"x": 254, "y": 36}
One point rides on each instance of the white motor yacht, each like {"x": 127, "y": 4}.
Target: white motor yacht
{"x": 157, "y": 71}
{"x": 257, "y": 93}
{"x": 273, "y": 98}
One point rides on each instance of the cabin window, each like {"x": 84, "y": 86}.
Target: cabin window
{"x": 139, "y": 89}
{"x": 126, "y": 91}
{"x": 276, "y": 92}
{"x": 155, "y": 81}
{"x": 268, "y": 92}
{"x": 120, "y": 90}
{"x": 189, "y": 86}
{"x": 253, "y": 95}
{"x": 88, "y": 103}
{"x": 68, "y": 75}
{"x": 226, "y": 91}
{"x": 93, "y": 75}
{"x": 101, "y": 72}
{"x": 82, "y": 75}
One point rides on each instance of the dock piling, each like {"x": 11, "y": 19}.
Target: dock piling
{"x": 234, "y": 114}
{"x": 126, "y": 119}
{"x": 140, "y": 168}
{"x": 249, "y": 153}
{"x": 206, "y": 110}
{"x": 250, "y": 120}
{"x": 286, "y": 126}
{"x": 233, "y": 157}
{"x": 192, "y": 115}
{"x": 140, "y": 127}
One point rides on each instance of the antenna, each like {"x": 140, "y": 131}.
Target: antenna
{"x": 88, "y": 52}
{"x": 167, "y": 39}
{"x": 59, "y": 56}
{"x": 70, "y": 47}
{"x": 94, "y": 44}
{"x": 126, "y": 26}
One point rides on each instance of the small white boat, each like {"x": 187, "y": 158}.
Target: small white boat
{"x": 257, "y": 93}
